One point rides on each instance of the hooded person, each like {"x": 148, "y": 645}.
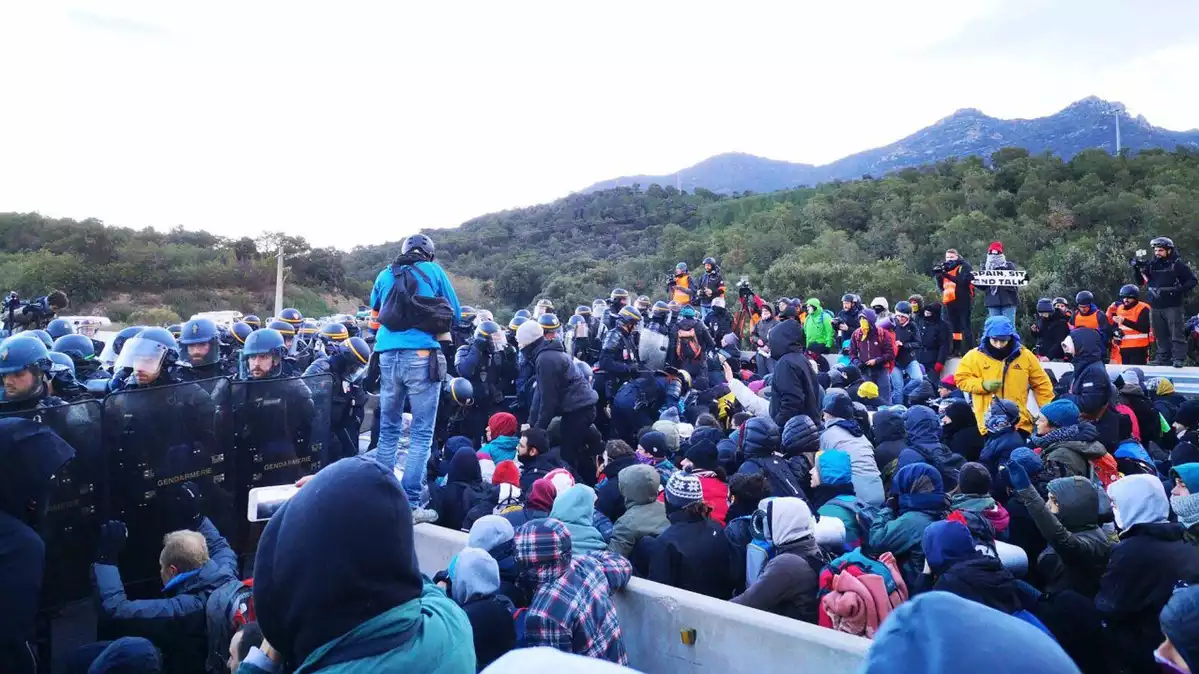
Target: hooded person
{"x": 789, "y": 582}
{"x": 1145, "y": 565}
{"x": 618, "y": 457}
{"x": 920, "y": 393}
{"x": 1001, "y": 367}
{"x": 1067, "y": 443}
{"x": 923, "y": 445}
{"x": 127, "y": 655}
{"x": 759, "y": 441}
{"x": 818, "y": 328}
{"x": 1184, "y": 499}
{"x": 476, "y": 588}
{"x": 1049, "y": 331}
{"x": 538, "y": 503}
{"x": 463, "y": 490}
{"x": 575, "y": 507}
{"x": 670, "y": 430}
{"x": 881, "y": 307}
{"x": 1078, "y": 551}
{"x": 873, "y": 351}
{"x": 571, "y": 609}
{"x": 939, "y": 633}
{"x": 1133, "y": 394}
{"x": 832, "y": 493}
{"x": 644, "y": 515}
{"x": 31, "y": 455}
{"x": 974, "y": 494}
{"x": 376, "y": 613}
{"x": 704, "y": 460}
{"x": 889, "y": 437}
{"x": 842, "y": 433}
{"x": 502, "y": 437}
{"x": 693, "y": 553}
{"x": 1001, "y": 439}
{"x": 961, "y": 433}
{"x": 917, "y": 500}
{"x": 495, "y": 534}
{"x": 1091, "y": 388}
{"x": 936, "y": 339}
{"x": 958, "y": 567}
{"x": 1180, "y": 624}
{"x": 794, "y": 389}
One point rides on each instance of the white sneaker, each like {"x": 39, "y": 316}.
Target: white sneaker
{"x": 422, "y": 515}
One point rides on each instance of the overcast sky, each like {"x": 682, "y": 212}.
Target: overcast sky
{"x": 360, "y": 122}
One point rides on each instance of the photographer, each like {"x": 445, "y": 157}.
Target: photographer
{"x": 1168, "y": 279}
{"x": 36, "y": 314}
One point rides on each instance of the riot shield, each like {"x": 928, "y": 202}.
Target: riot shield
{"x": 280, "y": 434}
{"x": 75, "y": 511}
{"x": 158, "y": 439}
{"x": 651, "y": 349}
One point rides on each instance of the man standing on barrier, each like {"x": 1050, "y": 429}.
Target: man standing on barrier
{"x": 415, "y": 305}
{"x": 347, "y": 363}
{"x": 1168, "y": 279}
{"x": 25, "y": 366}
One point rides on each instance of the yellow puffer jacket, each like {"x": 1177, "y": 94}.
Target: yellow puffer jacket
{"x": 1019, "y": 374}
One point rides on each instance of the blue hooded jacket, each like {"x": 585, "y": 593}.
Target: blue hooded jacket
{"x": 923, "y": 445}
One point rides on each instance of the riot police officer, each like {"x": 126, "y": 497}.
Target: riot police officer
{"x": 346, "y": 363}
{"x": 202, "y": 346}
{"x": 146, "y": 360}
{"x": 550, "y": 325}
{"x": 292, "y": 317}
{"x": 59, "y": 327}
{"x": 457, "y": 398}
{"x": 642, "y": 400}
{"x": 618, "y": 299}
{"x": 25, "y": 366}
{"x": 544, "y": 306}
{"x": 82, "y": 353}
{"x": 43, "y": 336}
{"x": 63, "y": 383}
{"x": 464, "y": 328}
{"x": 617, "y": 363}
{"x": 577, "y": 338}
{"x": 253, "y": 321}
{"x": 482, "y": 363}
{"x": 513, "y": 326}
{"x": 239, "y": 332}
{"x": 175, "y": 329}
{"x": 291, "y": 367}
{"x": 308, "y": 332}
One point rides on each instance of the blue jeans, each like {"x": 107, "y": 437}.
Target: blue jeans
{"x": 404, "y": 375}
{"x": 914, "y": 372}
{"x": 1010, "y": 312}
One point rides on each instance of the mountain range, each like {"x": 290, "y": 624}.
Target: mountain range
{"x": 1084, "y": 124}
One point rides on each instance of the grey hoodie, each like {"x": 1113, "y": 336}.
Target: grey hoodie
{"x": 788, "y": 582}
{"x": 1078, "y": 549}
{"x": 476, "y": 575}
{"x": 644, "y": 515}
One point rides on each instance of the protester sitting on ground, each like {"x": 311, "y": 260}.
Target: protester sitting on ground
{"x": 1002, "y": 438}
{"x": 842, "y": 432}
{"x": 1068, "y": 445}
{"x": 704, "y": 459}
{"x": 832, "y": 493}
{"x": 571, "y": 609}
{"x": 502, "y": 437}
{"x": 788, "y": 582}
{"x": 193, "y": 565}
{"x": 129, "y": 655}
{"x": 463, "y": 489}
{"x": 961, "y": 433}
{"x": 1144, "y": 567}
{"x": 889, "y": 437}
{"x": 310, "y": 616}
{"x": 496, "y": 536}
{"x": 917, "y": 499}
{"x": 973, "y": 494}
{"x": 575, "y": 507}
{"x": 644, "y": 515}
{"x": 692, "y": 553}
{"x": 653, "y": 450}
{"x": 476, "y": 585}
{"x": 1180, "y": 624}
{"x": 538, "y": 503}
{"x": 1078, "y": 549}
{"x": 617, "y": 457}
{"x": 1184, "y": 499}
{"x": 923, "y": 445}
{"x": 536, "y": 457}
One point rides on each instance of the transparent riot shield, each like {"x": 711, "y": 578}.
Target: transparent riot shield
{"x": 280, "y": 434}
{"x": 651, "y": 349}
{"x": 75, "y": 511}
{"x": 158, "y": 440}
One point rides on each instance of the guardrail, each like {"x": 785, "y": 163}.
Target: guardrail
{"x": 729, "y": 639}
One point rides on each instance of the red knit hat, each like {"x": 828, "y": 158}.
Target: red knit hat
{"x": 506, "y": 472}
{"x": 996, "y": 247}
{"x": 500, "y": 424}
{"x": 542, "y": 495}
{"x": 949, "y": 381}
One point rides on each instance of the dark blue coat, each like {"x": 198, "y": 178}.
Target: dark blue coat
{"x": 176, "y": 624}
{"x": 608, "y": 499}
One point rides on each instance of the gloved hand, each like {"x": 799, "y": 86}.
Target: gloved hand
{"x": 112, "y": 540}
{"x": 992, "y": 385}
{"x": 1028, "y": 459}
{"x": 1017, "y": 476}
{"x": 189, "y": 505}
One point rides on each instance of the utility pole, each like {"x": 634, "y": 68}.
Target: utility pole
{"x": 1117, "y": 132}
{"x": 279, "y": 283}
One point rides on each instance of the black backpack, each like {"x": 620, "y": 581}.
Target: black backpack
{"x": 404, "y": 309}
{"x": 778, "y": 473}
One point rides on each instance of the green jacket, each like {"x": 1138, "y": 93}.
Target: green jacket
{"x": 432, "y": 635}
{"x": 818, "y": 328}
{"x": 644, "y": 516}
{"x": 902, "y": 536}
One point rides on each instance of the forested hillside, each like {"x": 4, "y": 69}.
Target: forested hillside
{"x": 1071, "y": 224}
{"x": 148, "y": 276}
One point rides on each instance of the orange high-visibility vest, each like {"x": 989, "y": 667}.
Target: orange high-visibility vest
{"x": 1090, "y": 320}
{"x": 682, "y": 283}
{"x": 949, "y": 287}
{"x": 1131, "y": 339}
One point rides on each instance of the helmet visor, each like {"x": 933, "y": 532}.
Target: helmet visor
{"x": 142, "y": 355}
{"x": 498, "y": 340}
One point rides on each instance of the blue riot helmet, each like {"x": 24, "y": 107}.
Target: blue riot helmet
{"x": 357, "y": 355}
{"x": 288, "y": 332}
{"x": 583, "y": 310}
{"x": 461, "y": 391}
{"x": 574, "y": 321}
{"x": 43, "y": 336}
{"x": 59, "y": 327}
{"x": 489, "y": 333}
{"x": 549, "y": 324}
{"x": 309, "y": 330}
{"x": 516, "y": 321}
{"x": 660, "y": 309}
{"x": 61, "y": 362}
{"x": 253, "y": 321}
{"x": 76, "y": 347}
{"x": 292, "y": 316}
{"x": 24, "y": 364}
{"x": 467, "y": 314}
{"x": 241, "y": 331}
{"x": 524, "y": 313}
{"x": 332, "y": 335}
{"x": 629, "y": 316}
{"x": 125, "y": 335}
{"x": 262, "y": 356}
{"x": 201, "y": 342}
{"x": 149, "y": 354}
{"x": 642, "y": 304}
{"x": 599, "y": 307}
{"x": 175, "y": 330}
